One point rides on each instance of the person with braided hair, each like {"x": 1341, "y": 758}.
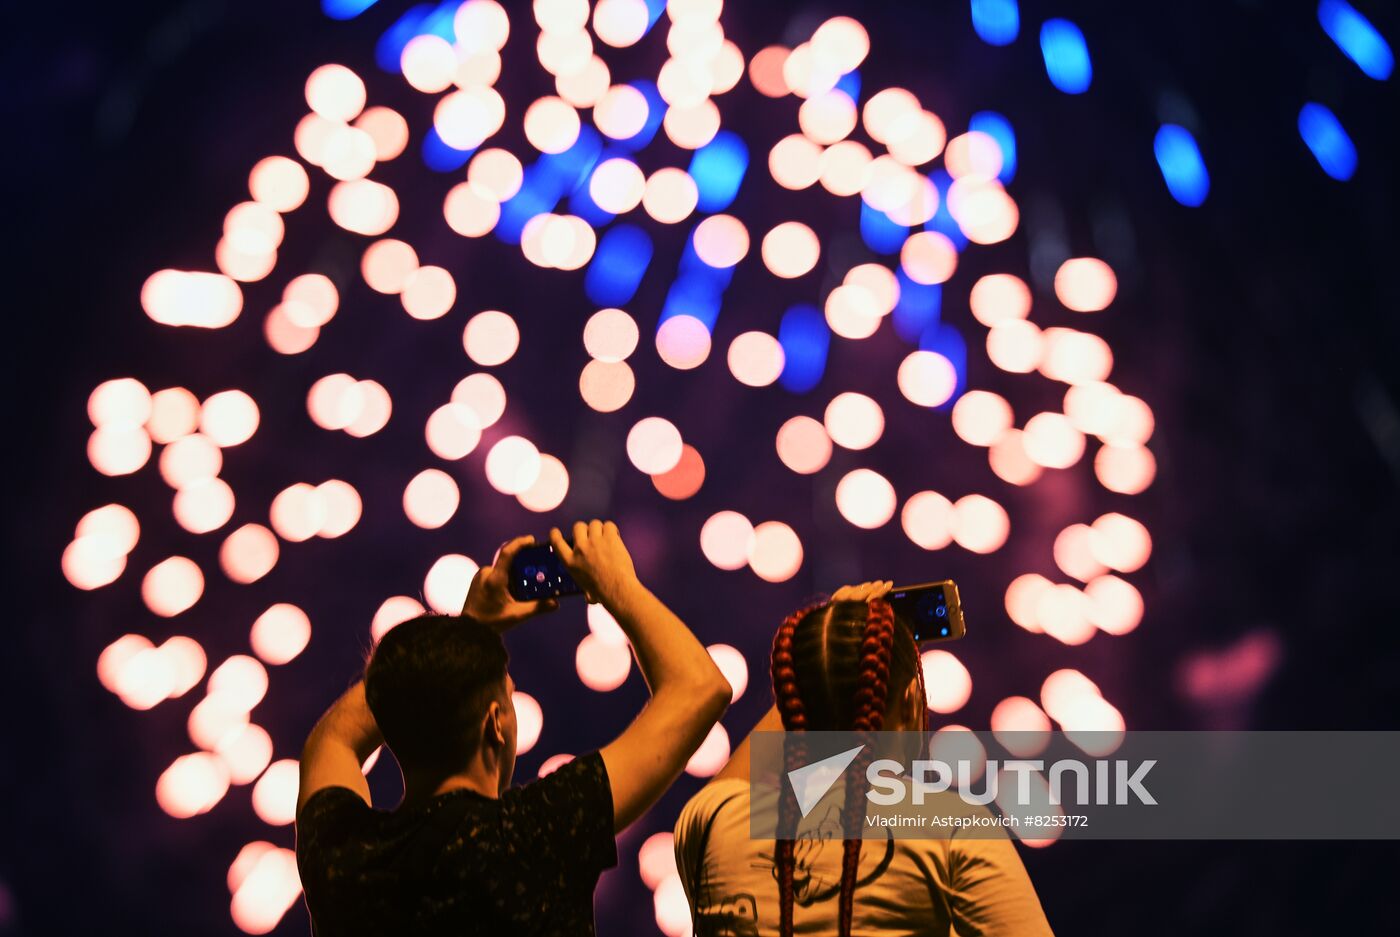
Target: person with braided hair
{"x": 848, "y": 664}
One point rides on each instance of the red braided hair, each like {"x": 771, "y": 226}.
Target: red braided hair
{"x": 866, "y": 711}
{"x": 790, "y": 707}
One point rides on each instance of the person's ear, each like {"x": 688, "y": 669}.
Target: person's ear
{"x": 911, "y": 705}
{"x": 492, "y": 730}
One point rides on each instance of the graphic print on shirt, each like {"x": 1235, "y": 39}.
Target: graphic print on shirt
{"x": 809, "y": 885}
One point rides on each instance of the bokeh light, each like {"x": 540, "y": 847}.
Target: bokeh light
{"x": 727, "y": 539}
{"x": 731, "y": 663}
{"x": 927, "y": 378}
{"x": 1051, "y": 440}
{"x": 685, "y": 479}
{"x": 513, "y": 465}
{"x": 529, "y": 718}
{"x": 229, "y": 418}
{"x": 550, "y": 487}
{"x": 249, "y": 553}
{"x": 947, "y": 682}
{"x": 980, "y": 525}
{"x": 803, "y": 445}
{"x": 484, "y": 395}
{"x": 999, "y": 297}
{"x": 606, "y": 386}
{"x": 854, "y": 421}
{"x": 602, "y": 665}
{"x": 670, "y": 195}
{"x": 275, "y": 793}
{"x": 865, "y": 498}
{"x": 712, "y": 754}
{"x": 491, "y": 338}
{"x": 393, "y": 612}
{"x": 927, "y": 519}
{"x": 790, "y": 250}
{"x": 1085, "y": 284}
{"x": 428, "y": 292}
{"x": 756, "y": 359}
{"x": 654, "y": 445}
{"x": 192, "y": 785}
{"x": 172, "y": 586}
{"x": 1120, "y": 543}
{"x": 445, "y": 586}
{"x": 431, "y": 499}
{"x": 336, "y": 93}
{"x": 683, "y": 342}
{"x": 280, "y": 633}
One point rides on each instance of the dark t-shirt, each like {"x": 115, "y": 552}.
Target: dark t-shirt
{"x": 462, "y": 863}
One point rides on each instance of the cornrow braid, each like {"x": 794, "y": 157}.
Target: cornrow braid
{"x": 832, "y": 667}
{"x": 871, "y": 697}
{"x": 794, "y": 715}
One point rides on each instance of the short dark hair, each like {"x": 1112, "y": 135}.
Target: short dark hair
{"x": 428, "y": 683}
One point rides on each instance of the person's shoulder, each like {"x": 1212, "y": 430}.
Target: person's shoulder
{"x": 580, "y": 784}
{"x": 330, "y": 803}
{"x": 584, "y": 771}
{"x": 709, "y": 801}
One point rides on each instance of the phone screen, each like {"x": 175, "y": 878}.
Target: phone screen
{"x": 932, "y": 610}
{"x": 537, "y": 572}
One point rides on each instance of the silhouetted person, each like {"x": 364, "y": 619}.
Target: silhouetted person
{"x": 848, "y": 664}
{"x": 464, "y": 852}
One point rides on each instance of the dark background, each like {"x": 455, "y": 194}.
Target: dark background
{"x": 1263, "y": 328}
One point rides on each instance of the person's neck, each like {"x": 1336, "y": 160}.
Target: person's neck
{"x": 418, "y": 789}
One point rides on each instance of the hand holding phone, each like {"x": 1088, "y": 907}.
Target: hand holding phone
{"x": 492, "y": 600}
{"x": 597, "y": 559}
{"x": 538, "y": 572}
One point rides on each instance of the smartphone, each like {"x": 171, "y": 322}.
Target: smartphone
{"x": 932, "y": 610}
{"x": 537, "y": 572}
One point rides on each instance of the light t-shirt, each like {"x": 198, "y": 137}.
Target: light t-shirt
{"x": 954, "y": 885}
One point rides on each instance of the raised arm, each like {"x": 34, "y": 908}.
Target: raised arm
{"x": 688, "y": 693}
{"x": 338, "y": 745}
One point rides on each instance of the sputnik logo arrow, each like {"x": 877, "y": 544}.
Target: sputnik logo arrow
{"x": 811, "y": 782}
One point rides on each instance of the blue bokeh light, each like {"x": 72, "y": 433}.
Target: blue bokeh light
{"x": 943, "y": 221}
{"x": 1328, "y": 140}
{"x": 997, "y": 22}
{"x": 1182, "y": 166}
{"x": 439, "y": 156}
{"x": 718, "y": 169}
{"x": 850, "y": 85}
{"x": 948, "y": 342}
{"x": 538, "y": 194}
{"x": 694, "y": 294}
{"x": 656, "y": 112}
{"x": 345, "y": 9}
{"x": 999, "y": 129}
{"x": 618, "y": 265}
{"x": 919, "y": 307}
{"x": 1357, "y": 38}
{"x": 388, "y": 51}
{"x": 881, "y": 233}
{"x": 1066, "y": 56}
{"x": 805, "y": 338}
{"x": 569, "y": 170}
